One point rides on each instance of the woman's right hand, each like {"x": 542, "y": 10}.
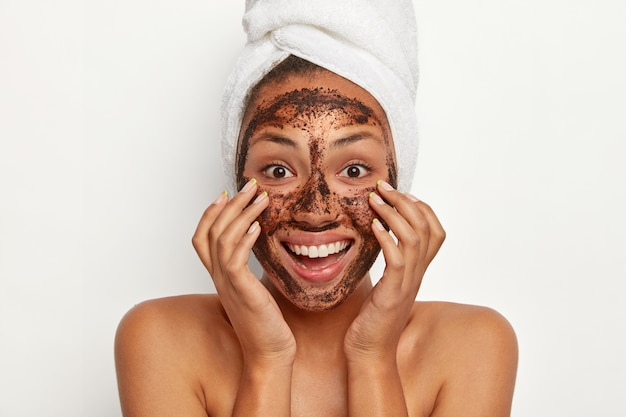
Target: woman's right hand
{"x": 223, "y": 240}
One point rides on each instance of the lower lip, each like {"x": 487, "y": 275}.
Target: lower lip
{"x": 318, "y": 276}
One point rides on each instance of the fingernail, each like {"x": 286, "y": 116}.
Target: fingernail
{"x": 253, "y": 227}
{"x": 412, "y": 197}
{"x": 260, "y": 197}
{"x": 384, "y": 185}
{"x": 376, "y": 198}
{"x": 377, "y": 224}
{"x": 249, "y": 185}
{"x": 223, "y": 195}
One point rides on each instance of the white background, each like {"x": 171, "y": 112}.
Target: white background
{"x": 108, "y": 156}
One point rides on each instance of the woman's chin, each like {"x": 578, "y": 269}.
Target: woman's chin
{"x": 321, "y": 289}
{"x": 314, "y": 284}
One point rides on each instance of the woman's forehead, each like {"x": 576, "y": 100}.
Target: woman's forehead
{"x": 323, "y": 90}
{"x": 307, "y": 107}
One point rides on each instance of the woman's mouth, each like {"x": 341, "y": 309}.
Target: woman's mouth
{"x": 319, "y": 251}
{"x": 318, "y": 257}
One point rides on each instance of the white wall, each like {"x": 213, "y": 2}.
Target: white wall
{"x": 108, "y": 133}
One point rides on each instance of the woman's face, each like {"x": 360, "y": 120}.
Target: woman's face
{"x": 317, "y": 145}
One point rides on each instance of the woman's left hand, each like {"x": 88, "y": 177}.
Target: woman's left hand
{"x": 375, "y": 333}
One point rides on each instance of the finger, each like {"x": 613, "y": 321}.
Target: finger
{"x": 412, "y": 236}
{"x": 200, "y": 237}
{"x": 419, "y": 215}
{"x": 404, "y": 203}
{"x": 237, "y": 286}
{"x": 235, "y": 236}
{"x": 234, "y": 241}
{"x": 437, "y": 232}
{"x": 237, "y": 268}
{"x": 230, "y": 212}
{"x": 235, "y": 207}
{"x": 394, "y": 260}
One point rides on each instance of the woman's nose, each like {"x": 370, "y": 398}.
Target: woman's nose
{"x": 314, "y": 205}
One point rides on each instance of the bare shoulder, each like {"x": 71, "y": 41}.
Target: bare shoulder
{"x": 464, "y": 322}
{"x": 166, "y": 314}
{"x": 471, "y": 351}
{"x": 170, "y": 349}
{"x": 170, "y": 323}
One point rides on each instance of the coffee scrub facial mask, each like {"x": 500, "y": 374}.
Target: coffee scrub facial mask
{"x": 318, "y": 153}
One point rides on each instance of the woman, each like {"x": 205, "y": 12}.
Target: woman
{"x": 317, "y": 159}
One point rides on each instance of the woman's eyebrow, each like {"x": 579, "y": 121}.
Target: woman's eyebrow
{"x": 281, "y": 140}
{"x": 345, "y": 141}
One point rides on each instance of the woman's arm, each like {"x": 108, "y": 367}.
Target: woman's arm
{"x": 223, "y": 241}
{"x": 371, "y": 343}
{"x": 375, "y": 389}
{"x": 264, "y": 390}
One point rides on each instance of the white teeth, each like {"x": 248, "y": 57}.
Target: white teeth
{"x": 331, "y": 248}
{"x": 321, "y": 251}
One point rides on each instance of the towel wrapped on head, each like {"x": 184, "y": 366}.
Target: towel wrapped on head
{"x": 372, "y": 43}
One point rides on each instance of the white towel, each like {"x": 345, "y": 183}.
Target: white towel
{"x": 372, "y": 43}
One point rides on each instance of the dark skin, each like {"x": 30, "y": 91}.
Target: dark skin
{"x": 261, "y": 348}
{"x": 314, "y": 196}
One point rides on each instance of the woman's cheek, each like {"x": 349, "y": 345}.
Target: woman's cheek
{"x": 358, "y": 208}
{"x": 275, "y": 213}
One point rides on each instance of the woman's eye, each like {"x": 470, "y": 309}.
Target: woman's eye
{"x": 277, "y": 171}
{"x": 354, "y": 171}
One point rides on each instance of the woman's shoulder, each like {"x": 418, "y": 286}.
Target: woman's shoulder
{"x": 172, "y": 323}
{"x": 471, "y": 351}
{"x": 175, "y": 307}
{"x": 166, "y": 324}
{"x": 442, "y": 315}
{"x": 175, "y": 346}
{"x": 172, "y": 316}
{"x": 453, "y": 324}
